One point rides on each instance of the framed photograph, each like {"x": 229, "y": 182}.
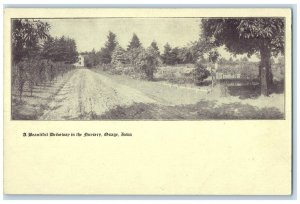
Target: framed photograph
{"x": 148, "y": 101}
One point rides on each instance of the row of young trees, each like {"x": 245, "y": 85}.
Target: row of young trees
{"x": 37, "y": 57}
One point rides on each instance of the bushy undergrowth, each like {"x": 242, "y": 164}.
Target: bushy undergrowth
{"x": 202, "y": 110}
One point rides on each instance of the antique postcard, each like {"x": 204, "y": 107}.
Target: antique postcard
{"x": 148, "y": 101}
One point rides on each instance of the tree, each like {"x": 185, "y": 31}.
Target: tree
{"x": 60, "y": 50}
{"x": 192, "y": 52}
{"x": 174, "y": 55}
{"x": 134, "y": 43}
{"x": 89, "y": 60}
{"x": 118, "y": 56}
{"x": 197, "y": 50}
{"x": 70, "y": 51}
{"x": 169, "y": 55}
{"x": 147, "y": 61}
{"x": 133, "y": 56}
{"x": 111, "y": 41}
{"x": 93, "y": 56}
{"x": 104, "y": 56}
{"x": 155, "y": 47}
{"x": 20, "y": 75}
{"x": 201, "y": 72}
{"x": 106, "y": 52}
{"x": 26, "y": 36}
{"x": 213, "y": 57}
{"x": 152, "y": 61}
{"x": 249, "y": 35}
{"x": 185, "y": 55}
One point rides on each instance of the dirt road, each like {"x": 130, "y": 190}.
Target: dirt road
{"x": 88, "y": 94}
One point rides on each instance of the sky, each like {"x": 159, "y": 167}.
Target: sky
{"x": 92, "y": 33}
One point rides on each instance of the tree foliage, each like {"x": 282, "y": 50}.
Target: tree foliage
{"x": 147, "y": 61}
{"x": 27, "y": 36}
{"x": 106, "y": 52}
{"x": 119, "y": 57}
{"x": 155, "y": 47}
{"x": 133, "y": 55}
{"x": 91, "y": 59}
{"x": 201, "y": 72}
{"x": 213, "y": 56}
{"x": 181, "y": 55}
{"x": 60, "y": 50}
{"x": 169, "y": 56}
{"x": 246, "y": 35}
{"x": 134, "y": 43}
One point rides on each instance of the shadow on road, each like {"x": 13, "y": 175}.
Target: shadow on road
{"x": 203, "y": 110}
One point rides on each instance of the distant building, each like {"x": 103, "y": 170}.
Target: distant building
{"x": 80, "y": 62}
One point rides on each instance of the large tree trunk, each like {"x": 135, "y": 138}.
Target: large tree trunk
{"x": 266, "y": 77}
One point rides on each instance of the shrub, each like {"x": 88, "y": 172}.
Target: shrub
{"x": 147, "y": 61}
{"x": 201, "y": 73}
